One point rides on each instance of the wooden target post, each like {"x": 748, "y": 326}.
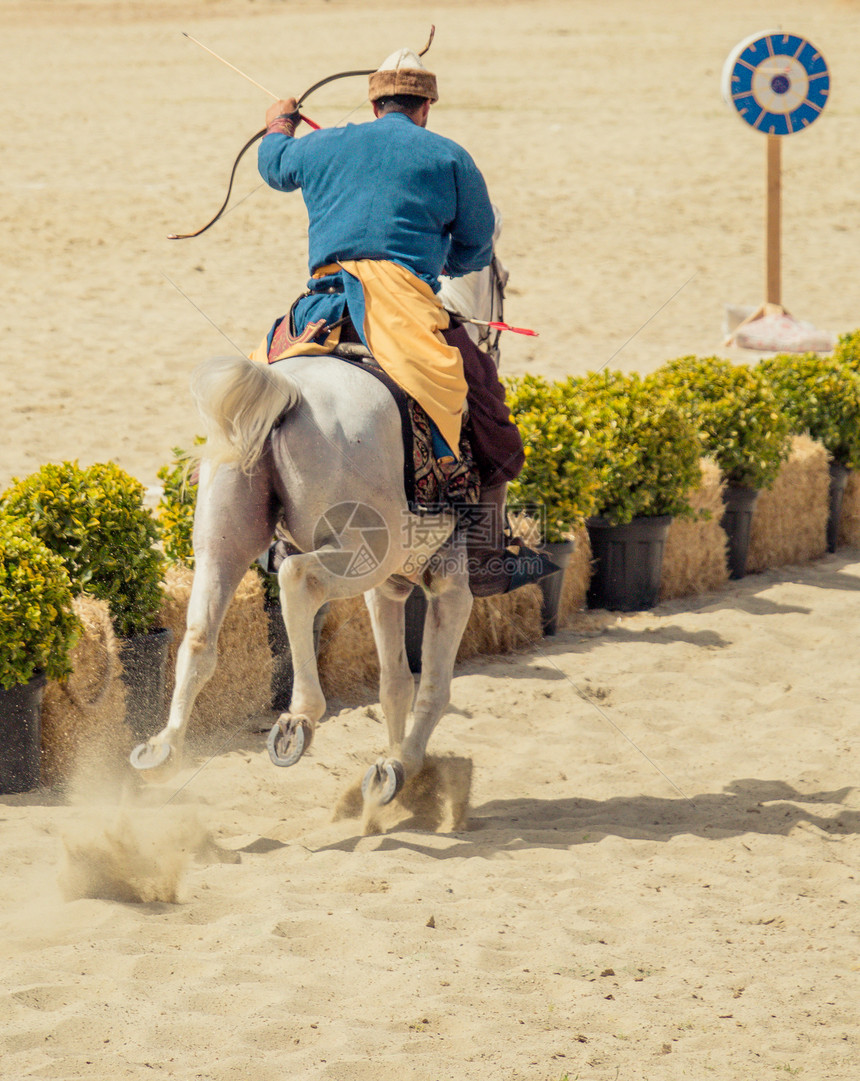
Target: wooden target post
{"x": 778, "y": 84}
{"x": 774, "y": 223}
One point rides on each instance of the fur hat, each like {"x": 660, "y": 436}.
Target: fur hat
{"x": 402, "y": 73}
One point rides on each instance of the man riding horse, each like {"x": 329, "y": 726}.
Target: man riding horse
{"x": 392, "y": 206}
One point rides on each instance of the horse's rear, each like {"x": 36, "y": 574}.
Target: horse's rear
{"x": 315, "y": 443}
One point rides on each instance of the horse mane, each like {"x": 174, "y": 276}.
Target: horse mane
{"x": 239, "y": 401}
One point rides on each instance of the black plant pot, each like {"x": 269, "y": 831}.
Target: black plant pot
{"x": 838, "y": 480}
{"x": 282, "y": 658}
{"x": 628, "y": 562}
{"x": 20, "y": 735}
{"x": 144, "y": 670}
{"x": 416, "y": 610}
{"x": 552, "y": 585}
{"x": 739, "y": 502}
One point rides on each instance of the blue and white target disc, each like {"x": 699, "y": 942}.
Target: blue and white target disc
{"x": 778, "y": 83}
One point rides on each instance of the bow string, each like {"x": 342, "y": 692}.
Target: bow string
{"x": 255, "y": 138}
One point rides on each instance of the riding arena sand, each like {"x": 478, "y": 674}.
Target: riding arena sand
{"x": 634, "y": 854}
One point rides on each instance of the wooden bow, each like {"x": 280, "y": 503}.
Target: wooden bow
{"x": 259, "y": 135}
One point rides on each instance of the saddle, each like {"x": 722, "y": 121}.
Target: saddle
{"x": 429, "y": 485}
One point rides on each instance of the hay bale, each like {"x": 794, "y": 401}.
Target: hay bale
{"x": 790, "y": 520}
{"x": 83, "y": 718}
{"x": 576, "y": 579}
{"x": 241, "y": 685}
{"x": 347, "y": 661}
{"x": 694, "y": 559}
{"x": 849, "y": 524}
{"x": 503, "y": 623}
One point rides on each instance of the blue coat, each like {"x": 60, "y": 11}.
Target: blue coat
{"x": 387, "y": 189}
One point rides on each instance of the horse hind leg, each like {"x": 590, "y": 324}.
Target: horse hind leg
{"x": 301, "y": 598}
{"x": 233, "y": 523}
{"x": 306, "y": 583}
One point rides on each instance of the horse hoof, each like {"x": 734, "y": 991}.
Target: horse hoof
{"x": 288, "y": 742}
{"x": 383, "y": 782}
{"x": 149, "y": 756}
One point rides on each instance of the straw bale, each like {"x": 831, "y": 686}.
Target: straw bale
{"x": 576, "y": 578}
{"x": 348, "y": 661}
{"x": 83, "y": 718}
{"x": 524, "y": 526}
{"x": 503, "y": 623}
{"x": 348, "y": 664}
{"x": 241, "y": 684}
{"x": 694, "y": 559}
{"x": 849, "y": 524}
{"x": 790, "y": 520}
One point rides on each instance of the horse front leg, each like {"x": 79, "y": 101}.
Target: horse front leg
{"x": 449, "y": 605}
{"x": 233, "y": 522}
{"x": 448, "y": 613}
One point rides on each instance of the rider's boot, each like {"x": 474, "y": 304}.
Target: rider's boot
{"x": 499, "y": 562}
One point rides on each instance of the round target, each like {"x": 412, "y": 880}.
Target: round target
{"x": 778, "y": 82}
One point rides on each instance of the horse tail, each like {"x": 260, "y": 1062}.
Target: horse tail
{"x": 240, "y": 400}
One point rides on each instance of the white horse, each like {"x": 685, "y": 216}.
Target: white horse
{"x": 317, "y": 442}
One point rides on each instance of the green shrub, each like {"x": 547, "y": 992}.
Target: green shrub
{"x": 737, "y": 413}
{"x": 95, "y": 520}
{"x": 559, "y": 474}
{"x": 176, "y": 506}
{"x": 848, "y": 350}
{"x": 647, "y": 461}
{"x": 820, "y": 396}
{"x": 38, "y": 626}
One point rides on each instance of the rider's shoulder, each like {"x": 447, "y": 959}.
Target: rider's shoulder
{"x": 455, "y": 150}
{"x": 440, "y": 143}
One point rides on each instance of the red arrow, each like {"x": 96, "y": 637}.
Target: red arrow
{"x": 505, "y": 326}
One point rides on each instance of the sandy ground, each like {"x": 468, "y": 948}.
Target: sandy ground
{"x": 658, "y": 878}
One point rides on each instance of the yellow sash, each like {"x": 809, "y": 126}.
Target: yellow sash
{"x": 403, "y": 321}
